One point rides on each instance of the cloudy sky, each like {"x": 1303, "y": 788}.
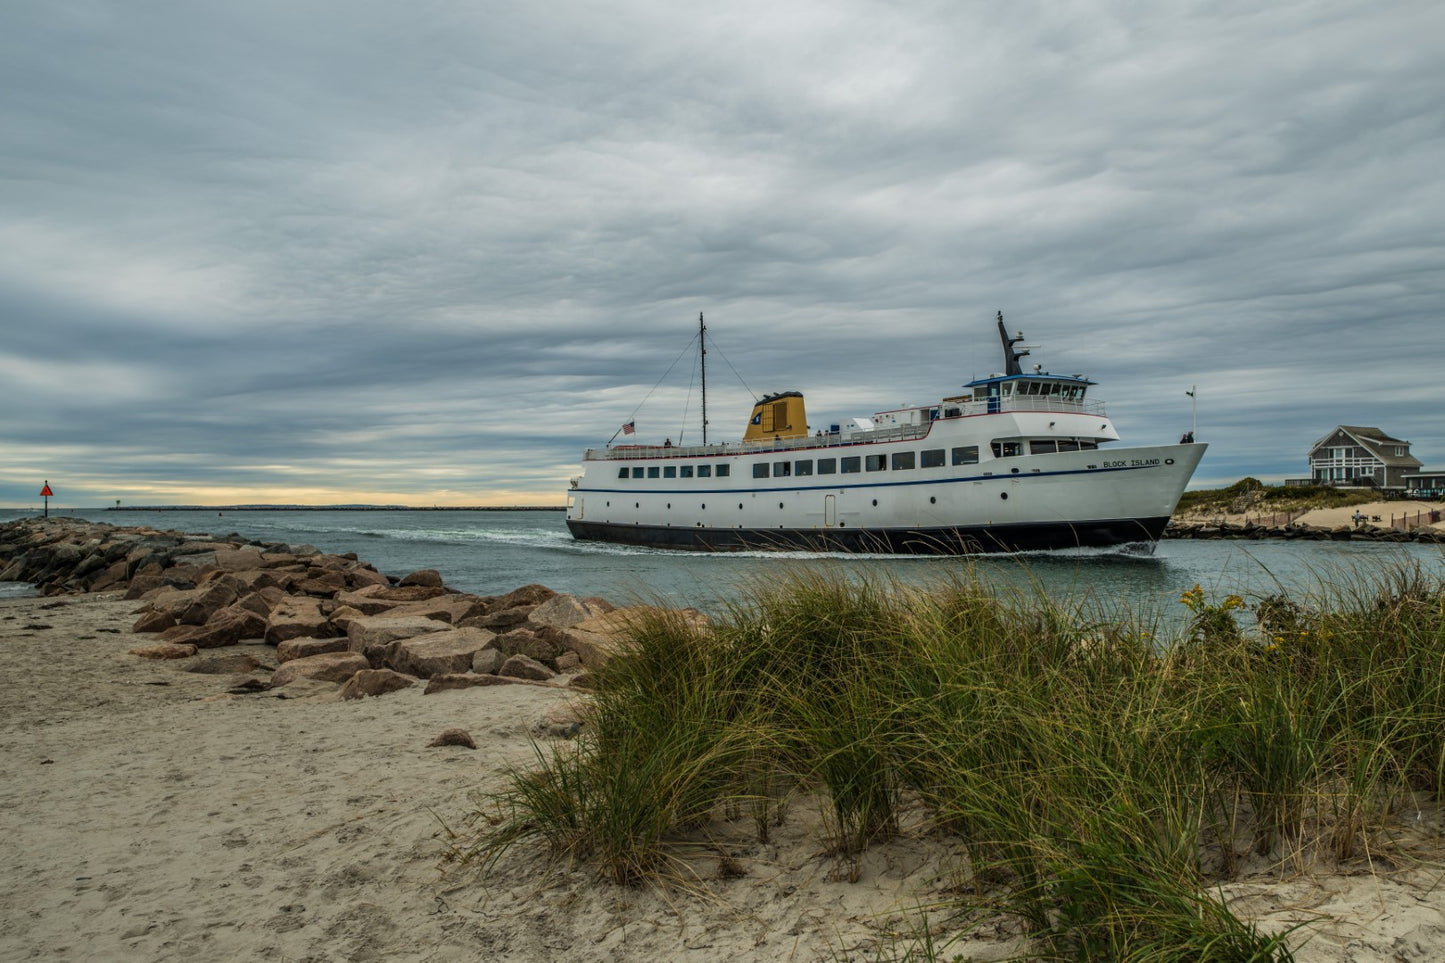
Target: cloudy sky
{"x": 425, "y": 253}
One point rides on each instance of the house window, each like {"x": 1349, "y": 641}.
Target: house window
{"x": 852, "y": 464}
{"x": 827, "y": 466}
{"x": 803, "y": 467}
{"x": 704, "y": 471}
{"x": 637, "y": 473}
{"x": 903, "y": 461}
{"x": 622, "y": 472}
{"x": 669, "y": 472}
{"x": 760, "y": 469}
{"x": 653, "y": 472}
{"x": 782, "y": 469}
{"x": 685, "y": 471}
{"x": 967, "y": 455}
{"x": 1007, "y": 449}
{"x": 931, "y": 458}
{"x": 724, "y": 471}
{"x": 875, "y": 462}
{"x": 1042, "y": 447}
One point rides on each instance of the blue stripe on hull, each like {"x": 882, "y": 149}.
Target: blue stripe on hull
{"x": 899, "y": 541}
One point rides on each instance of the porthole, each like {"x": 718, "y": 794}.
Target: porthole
{"x": 740, "y": 506}
{"x": 1003, "y": 495}
{"x": 875, "y": 503}
{"x": 932, "y": 500}
{"x": 704, "y": 507}
{"x": 636, "y": 504}
{"x": 1169, "y": 461}
{"x": 780, "y": 504}
{"x": 669, "y": 506}
{"x": 1014, "y": 470}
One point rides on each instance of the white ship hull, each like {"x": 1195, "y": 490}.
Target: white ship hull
{"x": 1060, "y": 500}
{"x": 1021, "y": 461}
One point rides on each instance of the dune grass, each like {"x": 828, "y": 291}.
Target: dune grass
{"x": 1097, "y": 782}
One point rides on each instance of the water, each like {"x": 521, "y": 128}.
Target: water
{"x": 490, "y": 553}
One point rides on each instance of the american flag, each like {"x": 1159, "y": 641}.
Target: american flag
{"x": 629, "y": 428}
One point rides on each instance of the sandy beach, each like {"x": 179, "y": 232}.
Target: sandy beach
{"x": 149, "y": 815}
{"x": 1379, "y": 514}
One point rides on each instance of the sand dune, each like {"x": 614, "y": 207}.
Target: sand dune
{"x": 147, "y": 815}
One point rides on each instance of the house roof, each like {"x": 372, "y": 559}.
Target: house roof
{"x": 1376, "y": 442}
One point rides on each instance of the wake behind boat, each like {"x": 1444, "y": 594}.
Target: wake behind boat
{"x": 1018, "y": 461}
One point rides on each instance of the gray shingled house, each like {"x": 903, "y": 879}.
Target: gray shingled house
{"x": 1361, "y": 457}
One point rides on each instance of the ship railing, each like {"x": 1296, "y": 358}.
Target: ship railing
{"x": 824, "y": 440}
{"x": 847, "y": 436}
{"x": 1031, "y": 403}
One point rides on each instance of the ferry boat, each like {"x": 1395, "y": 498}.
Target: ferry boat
{"x": 1018, "y": 461}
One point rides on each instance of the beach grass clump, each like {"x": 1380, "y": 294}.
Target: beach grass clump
{"x": 1097, "y": 781}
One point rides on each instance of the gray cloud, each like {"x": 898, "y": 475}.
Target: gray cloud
{"x": 429, "y": 253}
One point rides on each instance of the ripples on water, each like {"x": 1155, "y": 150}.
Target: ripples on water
{"x": 489, "y": 553}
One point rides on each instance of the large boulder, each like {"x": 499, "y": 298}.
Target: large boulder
{"x": 361, "y": 575}
{"x": 522, "y": 667}
{"x": 566, "y": 610}
{"x": 374, "y": 682}
{"x": 449, "y": 651}
{"x": 301, "y": 648}
{"x": 526, "y": 595}
{"x": 451, "y": 609}
{"x": 599, "y": 638}
{"x": 295, "y": 617}
{"x": 428, "y": 577}
{"x": 153, "y": 620}
{"x": 327, "y": 667}
{"x": 464, "y": 680}
{"x": 322, "y": 583}
{"x": 367, "y": 631}
{"x": 500, "y": 619}
{"x": 192, "y": 606}
{"x": 227, "y": 627}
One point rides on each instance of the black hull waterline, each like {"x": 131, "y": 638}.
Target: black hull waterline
{"x": 1025, "y": 537}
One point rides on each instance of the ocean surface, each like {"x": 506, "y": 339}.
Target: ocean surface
{"x": 493, "y": 552}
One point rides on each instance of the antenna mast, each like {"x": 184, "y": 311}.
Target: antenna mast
{"x": 702, "y": 346}
{"x": 1011, "y": 357}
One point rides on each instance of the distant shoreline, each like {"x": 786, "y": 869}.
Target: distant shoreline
{"x": 336, "y": 508}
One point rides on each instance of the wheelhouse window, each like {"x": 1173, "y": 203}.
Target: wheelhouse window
{"x": 803, "y": 466}
{"x": 1042, "y": 447}
{"x": 967, "y": 455}
{"x": 1007, "y": 449}
{"x": 903, "y": 461}
{"x": 875, "y": 462}
{"x": 827, "y": 466}
{"x": 704, "y": 471}
{"x": 930, "y": 458}
{"x": 760, "y": 469}
{"x": 852, "y": 465}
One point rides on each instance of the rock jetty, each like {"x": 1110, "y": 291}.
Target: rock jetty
{"x": 1247, "y": 529}
{"x": 331, "y": 618}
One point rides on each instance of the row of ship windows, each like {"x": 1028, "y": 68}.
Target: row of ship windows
{"x": 853, "y": 464}
{"x": 677, "y": 471}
